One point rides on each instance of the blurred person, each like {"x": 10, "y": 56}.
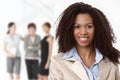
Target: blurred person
{"x": 46, "y": 52}
{"x": 85, "y": 40}
{"x": 32, "y": 47}
{"x": 11, "y": 48}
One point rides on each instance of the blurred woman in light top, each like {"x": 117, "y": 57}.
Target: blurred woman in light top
{"x": 11, "y": 48}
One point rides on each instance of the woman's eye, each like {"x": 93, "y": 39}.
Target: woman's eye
{"x": 89, "y": 26}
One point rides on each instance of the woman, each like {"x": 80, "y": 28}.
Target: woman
{"x": 85, "y": 45}
{"x": 11, "y": 47}
{"x": 32, "y": 46}
{"x": 46, "y": 52}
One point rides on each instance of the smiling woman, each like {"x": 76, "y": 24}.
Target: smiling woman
{"x": 84, "y": 29}
{"x": 85, "y": 46}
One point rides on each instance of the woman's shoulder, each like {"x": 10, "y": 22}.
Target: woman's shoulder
{"x": 6, "y": 38}
{"x": 49, "y": 37}
{"x": 58, "y": 56}
{"x": 37, "y": 35}
{"x": 17, "y": 35}
{"x": 56, "y": 60}
{"x": 110, "y": 63}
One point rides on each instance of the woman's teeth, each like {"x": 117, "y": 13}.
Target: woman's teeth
{"x": 83, "y": 39}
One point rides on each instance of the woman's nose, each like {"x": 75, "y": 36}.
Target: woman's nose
{"x": 83, "y": 31}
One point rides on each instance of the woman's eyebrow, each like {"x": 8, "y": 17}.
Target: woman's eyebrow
{"x": 90, "y": 23}
{"x": 80, "y": 24}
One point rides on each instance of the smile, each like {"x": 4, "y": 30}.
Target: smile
{"x": 83, "y": 39}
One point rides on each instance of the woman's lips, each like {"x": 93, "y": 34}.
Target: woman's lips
{"x": 83, "y": 39}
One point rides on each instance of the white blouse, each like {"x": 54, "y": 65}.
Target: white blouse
{"x": 13, "y": 44}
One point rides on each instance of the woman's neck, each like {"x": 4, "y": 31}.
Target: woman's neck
{"x": 32, "y": 35}
{"x": 11, "y": 34}
{"x": 87, "y": 55}
{"x": 47, "y": 34}
{"x": 86, "y": 52}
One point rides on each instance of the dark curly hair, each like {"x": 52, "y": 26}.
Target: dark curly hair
{"x": 103, "y": 38}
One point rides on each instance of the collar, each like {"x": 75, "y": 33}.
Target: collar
{"x": 73, "y": 54}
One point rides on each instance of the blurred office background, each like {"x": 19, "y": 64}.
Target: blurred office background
{"x": 23, "y": 12}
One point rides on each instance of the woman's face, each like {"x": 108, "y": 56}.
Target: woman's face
{"x": 13, "y": 28}
{"x": 84, "y": 30}
{"x": 31, "y": 30}
{"x": 46, "y": 29}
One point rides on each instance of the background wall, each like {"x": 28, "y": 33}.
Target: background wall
{"x": 23, "y": 12}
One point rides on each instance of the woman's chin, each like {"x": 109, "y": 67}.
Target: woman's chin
{"x": 83, "y": 44}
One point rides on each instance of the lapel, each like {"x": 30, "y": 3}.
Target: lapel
{"x": 35, "y": 39}
{"x": 78, "y": 69}
{"x": 104, "y": 69}
{"x": 31, "y": 40}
